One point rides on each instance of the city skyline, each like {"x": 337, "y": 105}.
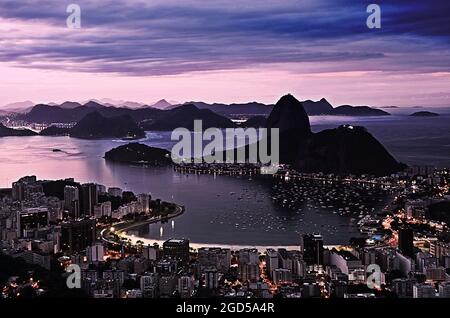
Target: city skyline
{"x": 217, "y": 52}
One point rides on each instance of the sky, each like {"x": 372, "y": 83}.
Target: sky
{"x": 226, "y": 51}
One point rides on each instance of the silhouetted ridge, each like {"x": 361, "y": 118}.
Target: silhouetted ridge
{"x": 94, "y": 126}
{"x": 184, "y": 116}
{"x": 347, "y": 150}
{"x": 289, "y": 116}
{"x": 321, "y": 107}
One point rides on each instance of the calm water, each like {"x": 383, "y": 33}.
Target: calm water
{"x": 222, "y": 210}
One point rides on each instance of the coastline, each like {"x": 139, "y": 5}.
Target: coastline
{"x": 232, "y": 247}
{"x": 121, "y": 227}
{"x": 194, "y": 245}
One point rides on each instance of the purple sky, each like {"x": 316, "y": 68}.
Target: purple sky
{"x": 226, "y": 51}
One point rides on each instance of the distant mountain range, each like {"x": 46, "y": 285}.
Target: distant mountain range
{"x": 17, "y": 107}
{"x": 312, "y": 108}
{"x": 343, "y": 150}
{"x": 70, "y": 112}
{"x": 233, "y": 110}
{"x": 148, "y": 118}
{"x": 163, "y": 116}
{"x": 184, "y": 116}
{"x": 117, "y": 103}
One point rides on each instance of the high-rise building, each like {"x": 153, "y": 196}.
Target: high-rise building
{"x": 98, "y": 211}
{"x": 249, "y": 272}
{"x": 144, "y": 202}
{"x": 298, "y": 264}
{"x": 165, "y": 267}
{"x": 89, "y": 198}
{"x": 285, "y": 260}
{"x": 444, "y": 290}
{"x": 114, "y": 275}
{"x": 186, "y": 286}
{"x": 72, "y": 201}
{"x": 439, "y": 249}
{"x": 436, "y": 274}
{"x": 406, "y": 241}
{"x": 282, "y": 275}
{"x": 77, "y": 235}
{"x": 248, "y": 256}
{"x": 339, "y": 288}
{"x": 423, "y": 291}
{"x": 31, "y": 218}
{"x": 95, "y": 253}
{"x": 211, "y": 278}
{"x": 312, "y": 248}
{"x": 18, "y": 191}
{"x": 115, "y": 192}
{"x": 25, "y": 187}
{"x": 310, "y": 290}
{"x": 219, "y": 258}
{"x": 150, "y": 252}
{"x": 271, "y": 261}
{"x": 177, "y": 249}
{"x": 446, "y": 261}
{"x": 403, "y": 287}
{"x": 102, "y": 209}
{"x": 101, "y": 189}
{"x": 150, "y": 285}
{"x": 167, "y": 285}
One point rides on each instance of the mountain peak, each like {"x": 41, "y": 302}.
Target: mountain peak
{"x": 288, "y": 98}
{"x": 93, "y": 104}
{"x": 161, "y": 104}
{"x": 69, "y": 105}
{"x": 187, "y": 107}
{"x": 288, "y": 114}
{"x": 324, "y": 100}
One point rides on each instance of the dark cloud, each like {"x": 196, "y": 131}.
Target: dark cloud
{"x": 173, "y": 37}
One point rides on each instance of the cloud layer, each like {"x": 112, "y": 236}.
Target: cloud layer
{"x": 226, "y": 51}
{"x": 177, "y": 37}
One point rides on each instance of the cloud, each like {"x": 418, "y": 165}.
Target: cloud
{"x": 170, "y": 37}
